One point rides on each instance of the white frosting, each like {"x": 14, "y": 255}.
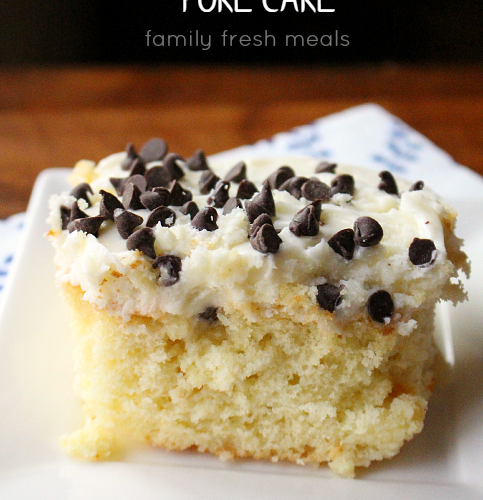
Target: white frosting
{"x": 221, "y": 267}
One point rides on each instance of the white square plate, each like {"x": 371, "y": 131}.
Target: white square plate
{"x": 37, "y": 404}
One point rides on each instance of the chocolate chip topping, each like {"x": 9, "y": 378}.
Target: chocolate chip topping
{"x": 325, "y": 166}
{"x": 142, "y": 240}
{"x": 80, "y": 191}
{"x": 165, "y": 215}
{"x": 198, "y": 161}
{"x": 304, "y": 222}
{"x": 277, "y": 178}
{"x": 294, "y": 186}
{"x": 165, "y": 195}
{"x": 343, "y": 243}
{"x": 152, "y": 200}
{"x": 190, "y": 208}
{"x": 417, "y": 186}
{"x": 231, "y": 204}
{"x": 265, "y": 199}
{"x": 131, "y": 197}
{"x": 220, "y": 194}
{"x": 342, "y": 184}
{"x": 253, "y": 210}
{"x": 266, "y": 239}
{"x": 246, "y": 190}
{"x": 205, "y": 219}
{"x": 139, "y": 181}
{"x": 209, "y": 314}
{"x": 154, "y": 150}
{"x": 64, "y": 216}
{"x": 260, "y": 221}
{"x": 118, "y": 184}
{"x": 131, "y": 156}
{"x": 169, "y": 269}
{"x": 171, "y": 163}
{"x": 329, "y": 296}
{"x": 367, "y": 232}
{"x": 157, "y": 177}
{"x": 314, "y": 189}
{"x": 108, "y": 204}
{"x": 89, "y": 225}
{"x": 388, "y": 183}
{"x": 238, "y": 173}
{"x": 137, "y": 167}
{"x": 317, "y": 204}
{"x": 76, "y": 212}
{"x": 207, "y": 181}
{"x": 126, "y": 222}
{"x": 422, "y": 252}
{"x": 179, "y": 195}
{"x": 380, "y": 306}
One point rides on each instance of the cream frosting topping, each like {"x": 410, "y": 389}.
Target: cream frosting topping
{"x": 222, "y": 269}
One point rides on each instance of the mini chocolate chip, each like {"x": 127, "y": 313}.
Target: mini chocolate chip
{"x": 417, "y": 186}
{"x": 89, "y": 225}
{"x": 266, "y": 239}
{"x": 238, "y": 173}
{"x": 198, "y": 161}
{"x": 190, "y": 208}
{"x": 76, "y": 212}
{"x": 126, "y": 222}
{"x": 207, "y": 181}
{"x": 329, "y": 296}
{"x": 325, "y": 166}
{"x": 304, "y": 222}
{"x": 171, "y": 163}
{"x": 220, "y": 194}
{"x": 231, "y": 204}
{"x": 164, "y": 194}
{"x": 265, "y": 199}
{"x": 179, "y": 195}
{"x": 130, "y": 157}
{"x": 139, "y": 181}
{"x": 157, "y": 177}
{"x": 142, "y": 240}
{"x": 165, "y": 215}
{"x": 260, "y": 221}
{"x": 108, "y": 204}
{"x": 153, "y": 150}
{"x": 118, "y": 184}
{"x": 169, "y": 268}
{"x": 80, "y": 191}
{"x": 131, "y": 197}
{"x": 342, "y": 184}
{"x": 314, "y": 189}
{"x": 152, "y": 200}
{"x": 205, "y": 219}
{"x": 422, "y": 252}
{"x": 388, "y": 183}
{"x": 282, "y": 174}
{"x": 137, "y": 167}
{"x": 64, "y": 216}
{"x": 317, "y": 204}
{"x": 209, "y": 314}
{"x": 246, "y": 190}
{"x": 380, "y": 306}
{"x": 367, "y": 232}
{"x": 294, "y": 186}
{"x": 343, "y": 243}
{"x": 253, "y": 210}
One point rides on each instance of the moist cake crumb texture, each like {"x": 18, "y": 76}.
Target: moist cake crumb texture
{"x": 273, "y": 308}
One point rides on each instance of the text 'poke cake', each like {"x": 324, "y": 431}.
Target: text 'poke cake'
{"x": 277, "y": 309}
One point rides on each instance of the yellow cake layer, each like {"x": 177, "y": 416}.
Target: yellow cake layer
{"x": 286, "y": 382}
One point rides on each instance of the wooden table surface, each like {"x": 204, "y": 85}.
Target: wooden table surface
{"x": 52, "y": 117}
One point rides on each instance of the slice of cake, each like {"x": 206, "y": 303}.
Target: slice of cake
{"x": 276, "y": 309}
